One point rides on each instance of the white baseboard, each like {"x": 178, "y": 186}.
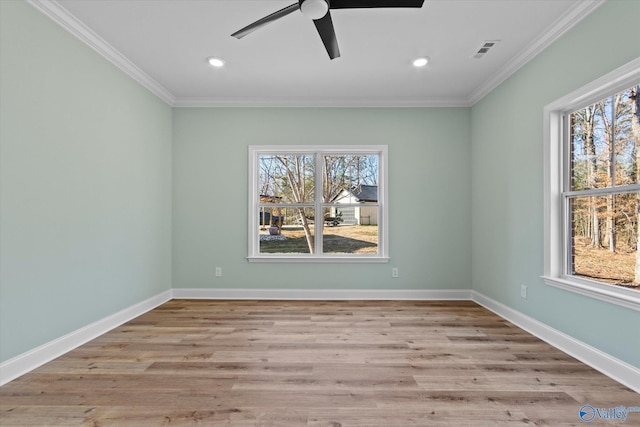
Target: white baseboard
{"x": 323, "y": 294}
{"x": 610, "y": 366}
{"x": 614, "y": 368}
{"x": 30, "y": 360}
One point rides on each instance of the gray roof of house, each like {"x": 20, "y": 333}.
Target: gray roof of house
{"x": 365, "y": 193}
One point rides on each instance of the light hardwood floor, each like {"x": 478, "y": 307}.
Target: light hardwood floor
{"x": 313, "y": 363}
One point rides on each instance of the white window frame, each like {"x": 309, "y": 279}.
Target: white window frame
{"x": 555, "y": 223}
{"x": 255, "y": 151}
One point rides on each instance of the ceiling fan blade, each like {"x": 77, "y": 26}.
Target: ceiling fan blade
{"x": 352, "y": 4}
{"x": 266, "y": 20}
{"x": 324, "y": 26}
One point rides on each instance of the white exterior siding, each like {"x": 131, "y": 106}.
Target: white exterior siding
{"x": 360, "y": 215}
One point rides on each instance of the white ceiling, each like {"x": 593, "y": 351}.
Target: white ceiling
{"x": 164, "y": 44}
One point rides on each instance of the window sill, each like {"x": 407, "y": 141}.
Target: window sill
{"x": 318, "y": 259}
{"x": 620, "y": 296}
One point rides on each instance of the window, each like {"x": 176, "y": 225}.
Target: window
{"x": 592, "y": 190}
{"x": 320, "y": 203}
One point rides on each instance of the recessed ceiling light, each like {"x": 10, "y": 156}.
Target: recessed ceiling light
{"x": 216, "y": 62}
{"x": 420, "y": 62}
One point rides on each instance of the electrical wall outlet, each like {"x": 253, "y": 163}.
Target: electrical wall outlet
{"x": 394, "y": 272}
{"x": 523, "y": 291}
{"x": 218, "y": 271}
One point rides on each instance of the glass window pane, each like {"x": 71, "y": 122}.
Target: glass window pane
{"x": 603, "y": 143}
{"x": 292, "y": 189}
{"x": 286, "y": 230}
{"x": 344, "y": 172}
{"x": 604, "y": 239}
{"x": 269, "y": 216}
{"x": 589, "y": 149}
{"x": 342, "y": 238}
{"x": 286, "y": 178}
{"x": 625, "y": 137}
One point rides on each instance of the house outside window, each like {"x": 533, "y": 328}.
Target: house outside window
{"x": 592, "y": 190}
{"x": 318, "y": 204}
{"x": 362, "y": 200}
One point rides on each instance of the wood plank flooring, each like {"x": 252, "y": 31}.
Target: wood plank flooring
{"x": 313, "y": 363}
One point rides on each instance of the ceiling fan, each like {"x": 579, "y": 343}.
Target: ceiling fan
{"x": 319, "y": 11}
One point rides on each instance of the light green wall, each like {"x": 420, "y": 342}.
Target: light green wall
{"x": 86, "y": 187}
{"x": 507, "y": 181}
{"x": 85, "y": 184}
{"x": 429, "y": 184}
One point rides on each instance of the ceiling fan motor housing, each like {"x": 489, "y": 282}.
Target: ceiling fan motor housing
{"x": 314, "y": 9}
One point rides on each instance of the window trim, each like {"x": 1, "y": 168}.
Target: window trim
{"x": 253, "y": 243}
{"x": 555, "y": 239}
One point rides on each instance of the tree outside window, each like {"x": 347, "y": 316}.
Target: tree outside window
{"x": 317, "y": 203}
{"x": 601, "y": 192}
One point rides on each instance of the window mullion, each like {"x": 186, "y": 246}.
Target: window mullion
{"x": 318, "y": 195}
{"x": 612, "y": 149}
{"x": 567, "y": 245}
{"x": 566, "y": 153}
{"x": 566, "y": 187}
{"x": 604, "y": 191}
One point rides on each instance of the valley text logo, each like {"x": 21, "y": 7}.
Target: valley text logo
{"x": 620, "y": 413}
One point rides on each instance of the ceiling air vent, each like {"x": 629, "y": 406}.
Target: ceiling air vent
{"x": 484, "y": 48}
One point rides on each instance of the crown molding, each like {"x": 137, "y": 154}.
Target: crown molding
{"x": 69, "y": 22}
{"x": 556, "y": 30}
{"x": 65, "y": 19}
{"x": 346, "y": 102}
